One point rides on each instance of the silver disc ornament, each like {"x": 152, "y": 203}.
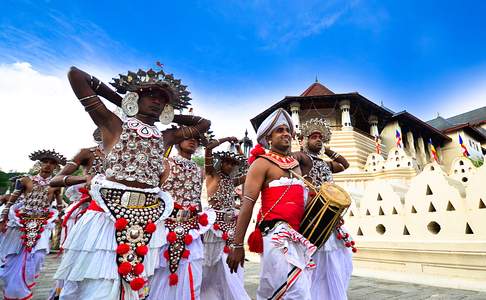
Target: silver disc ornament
{"x": 167, "y": 115}
{"x": 130, "y": 104}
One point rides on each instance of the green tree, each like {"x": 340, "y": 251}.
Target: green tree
{"x": 199, "y": 160}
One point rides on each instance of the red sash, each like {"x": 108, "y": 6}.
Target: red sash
{"x": 290, "y": 208}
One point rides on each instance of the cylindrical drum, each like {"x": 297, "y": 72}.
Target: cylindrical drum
{"x": 322, "y": 213}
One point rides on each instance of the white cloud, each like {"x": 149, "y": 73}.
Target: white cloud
{"x": 38, "y": 111}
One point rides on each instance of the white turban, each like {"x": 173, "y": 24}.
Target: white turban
{"x": 275, "y": 119}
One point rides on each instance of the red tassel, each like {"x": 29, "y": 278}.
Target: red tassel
{"x": 255, "y": 241}
{"x": 137, "y": 283}
{"x": 138, "y": 269}
{"x": 255, "y": 152}
{"x": 173, "y": 279}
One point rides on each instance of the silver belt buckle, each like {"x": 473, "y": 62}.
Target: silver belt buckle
{"x": 133, "y": 199}
{"x": 183, "y": 215}
{"x": 229, "y": 216}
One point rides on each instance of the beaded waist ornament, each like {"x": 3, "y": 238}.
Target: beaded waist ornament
{"x": 135, "y": 214}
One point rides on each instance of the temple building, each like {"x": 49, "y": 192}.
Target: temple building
{"x": 415, "y": 216}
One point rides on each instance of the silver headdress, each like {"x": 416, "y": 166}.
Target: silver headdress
{"x": 48, "y": 154}
{"x": 233, "y": 155}
{"x": 316, "y": 125}
{"x": 151, "y": 80}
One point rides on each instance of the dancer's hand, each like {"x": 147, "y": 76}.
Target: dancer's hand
{"x": 3, "y": 226}
{"x": 88, "y": 181}
{"x": 233, "y": 139}
{"x": 236, "y": 257}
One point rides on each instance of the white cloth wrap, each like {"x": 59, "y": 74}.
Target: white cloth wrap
{"x": 90, "y": 249}
{"x": 275, "y": 119}
{"x": 74, "y": 196}
{"x": 279, "y": 258}
{"x": 334, "y": 266}
{"x": 218, "y": 282}
{"x": 73, "y": 193}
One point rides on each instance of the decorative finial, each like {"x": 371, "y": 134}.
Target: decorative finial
{"x": 317, "y": 80}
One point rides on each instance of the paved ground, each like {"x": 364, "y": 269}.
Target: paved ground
{"x": 361, "y": 288}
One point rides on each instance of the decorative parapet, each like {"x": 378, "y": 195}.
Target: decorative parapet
{"x": 428, "y": 226}
{"x": 397, "y": 159}
{"x": 374, "y": 163}
{"x": 462, "y": 169}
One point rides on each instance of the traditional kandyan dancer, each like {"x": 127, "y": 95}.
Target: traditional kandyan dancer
{"x": 179, "y": 274}
{"x": 286, "y": 259}
{"x": 218, "y": 282}
{"x": 91, "y": 160}
{"x": 110, "y": 252}
{"x": 28, "y": 224}
{"x": 334, "y": 265}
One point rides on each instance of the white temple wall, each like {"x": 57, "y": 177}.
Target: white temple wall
{"x": 388, "y": 135}
{"x": 427, "y": 228}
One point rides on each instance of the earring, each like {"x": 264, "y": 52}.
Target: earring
{"x": 167, "y": 115}
{"x": 270, "y": 143}
{"x": 130, "y": 104}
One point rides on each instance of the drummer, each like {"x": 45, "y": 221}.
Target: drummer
{"x": 282, "y": 202}
{"x": 331, "y": 278}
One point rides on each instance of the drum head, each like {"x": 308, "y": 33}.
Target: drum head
{"x": 336, "y": 194}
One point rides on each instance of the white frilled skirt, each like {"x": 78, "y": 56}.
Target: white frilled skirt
{"x": 73, "y": 210}
{"x": 88, "y": 266}
{"x": 218, "y": 282}
{"x": 20, "y": 268}
{"x": 334, "y": 266}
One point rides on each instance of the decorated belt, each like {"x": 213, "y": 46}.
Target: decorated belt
{"x": 227, "y": 215}
{"x": 182, "y": 214}
{"x": 135, "y": 216}
{"x": 226, "y": 223}
{"x": 32, "y": 226}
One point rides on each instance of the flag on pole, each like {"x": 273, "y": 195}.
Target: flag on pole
{"x": 464, "y": 149}
{"x": 398, "y": 139}
{"x": 377, "y": 144}
{"x": 433, "y": 151}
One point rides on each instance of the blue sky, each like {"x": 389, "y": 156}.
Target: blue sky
{"x": 386, "y": 50}
{"x": 422, "y": 56}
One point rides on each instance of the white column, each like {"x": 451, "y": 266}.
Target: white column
{"x": 295, "y": 110}
{"x": 373, "y": 121}
{"x": 411, "y": 144}
{"x": 345, "y": 105}
{"x": 421, "y": 154}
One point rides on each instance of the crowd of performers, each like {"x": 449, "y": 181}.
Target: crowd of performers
{"x": 135, "y": 227}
